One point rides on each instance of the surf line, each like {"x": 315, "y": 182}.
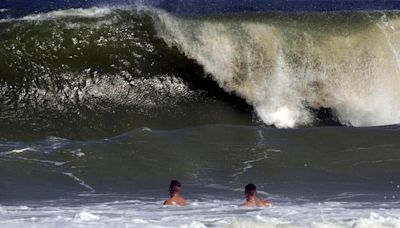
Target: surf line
{"x": 80, "y": 181}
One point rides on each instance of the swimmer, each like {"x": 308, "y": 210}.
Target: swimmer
{"x": 251, "y": 198}
{"x": 175, "y": 189}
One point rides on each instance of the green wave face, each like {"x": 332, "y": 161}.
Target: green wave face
{"x": 103, "y": 75}
{"x": 316, "y": 164}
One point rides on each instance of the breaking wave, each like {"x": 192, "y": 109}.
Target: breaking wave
{"x": 123, "y": 68}
{"x": 94, "y": 12}
{"x": 285, "y": 64}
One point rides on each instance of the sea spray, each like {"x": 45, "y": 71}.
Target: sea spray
{"x": 285, "y": 64}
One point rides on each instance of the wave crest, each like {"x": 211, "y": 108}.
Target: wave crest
{"x": 286, "y": 64}
{"x": 93, "y": 12}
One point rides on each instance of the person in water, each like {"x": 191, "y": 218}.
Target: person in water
{"x": 250, "y": 192}
{"x": 175, "y": 189}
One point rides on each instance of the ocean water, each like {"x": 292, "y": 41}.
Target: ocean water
{"x": 103, "y": 103}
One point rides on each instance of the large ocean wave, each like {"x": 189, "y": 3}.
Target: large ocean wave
{"x": 286, "y": 64}
{"x": 78, "y": 66}
{"x": 104, "y": 70}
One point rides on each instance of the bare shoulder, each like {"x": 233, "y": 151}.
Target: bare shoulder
{"x": 266, "y": 203}
{"x": 169, "y": 202}
{"x": 175, "y": 201}
{"x": 181, "y": 201}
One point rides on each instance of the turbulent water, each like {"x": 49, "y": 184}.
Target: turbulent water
{"x": 284, "y": 65}
{"x": 100, "y": 107}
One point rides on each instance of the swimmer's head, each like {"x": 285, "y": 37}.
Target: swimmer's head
{"x": 175, "y": 187}
{"x": 250, "y": 190}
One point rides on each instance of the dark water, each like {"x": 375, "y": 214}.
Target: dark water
{"x": 101, "y": 80}
{"x": 317, "y": 163}
{"x": 104, "y": 101}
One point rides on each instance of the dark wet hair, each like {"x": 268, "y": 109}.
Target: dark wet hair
{"x": 175, "y": 186}
{"x": 250, "y": 189}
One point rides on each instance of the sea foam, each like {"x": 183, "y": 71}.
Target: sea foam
{"x": 207, "y": 213}
{"x": 285, "y": 65}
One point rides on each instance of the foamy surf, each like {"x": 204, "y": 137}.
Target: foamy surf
{"x": 286, "y": 64}
{"x": 94, "y": 12}
{"x": 141, "y": 213}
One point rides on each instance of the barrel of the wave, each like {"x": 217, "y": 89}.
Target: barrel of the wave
{"x": 103, "y": 71}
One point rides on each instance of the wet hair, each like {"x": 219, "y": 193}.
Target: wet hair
{"x": 175, "y": 186}
{"x": 250, "y": 189}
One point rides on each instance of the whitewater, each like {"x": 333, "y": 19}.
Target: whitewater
{"x": 285, "y": 65}
{"x": 212, "y": 213}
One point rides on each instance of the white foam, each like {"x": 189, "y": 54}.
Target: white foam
{"x": 3, "y": 10}
{"x": 249, "y": 164}
{"x": 282, "y": 68}
{"x": 17, "y": 151}
{"x": 78, "y": 152}
{"x": 94, "y": 12}
{"x": 55, "y": 163}
{"x": 80, "y": 182}
{"x": 194, "y": 225}
{"x": 86, "y": 216}
{"x": 205, "y": 214}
